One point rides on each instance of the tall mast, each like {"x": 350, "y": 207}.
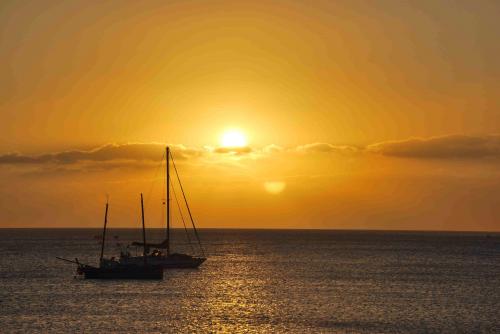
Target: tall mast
{"x": 188, "y": 209}
{"x": 104, "y": 232}
{"x": 144, "y": 253}
{"x": 167, "y": 163}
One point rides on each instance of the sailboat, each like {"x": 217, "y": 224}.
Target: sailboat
{"x": 113, "y": 269}
{"x": 162, "y": 254}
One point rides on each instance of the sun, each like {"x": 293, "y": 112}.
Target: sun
{"x": 233, "y": 138}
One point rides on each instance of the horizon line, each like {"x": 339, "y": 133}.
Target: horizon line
{"x": 255, "y": 229}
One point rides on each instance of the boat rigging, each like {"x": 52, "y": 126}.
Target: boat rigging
{"x": 169, "y": 259}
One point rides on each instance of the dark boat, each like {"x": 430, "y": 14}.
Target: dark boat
{"x": 113, "y": 269}
{"x": 161, "y": 254}
{"x": 116, "y": 270}
{"x": 173, "y": 260}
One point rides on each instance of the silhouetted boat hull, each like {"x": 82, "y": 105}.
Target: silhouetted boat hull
{"x": 167, "y": 262}
{"x": 125, "y": 272}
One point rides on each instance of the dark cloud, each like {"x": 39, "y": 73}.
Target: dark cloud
{"x": 110, "y": 152}
{"x": 444, "y": 147}
{"x": 15, "y": 158}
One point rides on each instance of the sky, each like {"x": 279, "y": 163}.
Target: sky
{"x": 280, "y": 114}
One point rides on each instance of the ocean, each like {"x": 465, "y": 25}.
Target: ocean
{"x": 258, "y": 281}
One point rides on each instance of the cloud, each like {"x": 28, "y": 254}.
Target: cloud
{"x": 233, "y": 150}
{"x": 443, "y": 147}
{"x": 327, "y": 148}
{"x": 16, "y": 158}
{"x": 110, "y": 152}
{"x": 272, "y": 149}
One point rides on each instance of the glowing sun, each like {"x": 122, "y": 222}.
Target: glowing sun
{"x": 233, "y": 138}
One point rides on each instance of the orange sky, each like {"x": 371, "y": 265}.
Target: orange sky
{"x": 329, "y": 95}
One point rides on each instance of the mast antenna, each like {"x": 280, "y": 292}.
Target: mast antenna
{"x": 104, "y": 229}
{"x": 144, "y": 253}
{"x": 167, "y": 163}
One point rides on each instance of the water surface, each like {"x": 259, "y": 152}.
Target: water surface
{"x": 259, "y": 281}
